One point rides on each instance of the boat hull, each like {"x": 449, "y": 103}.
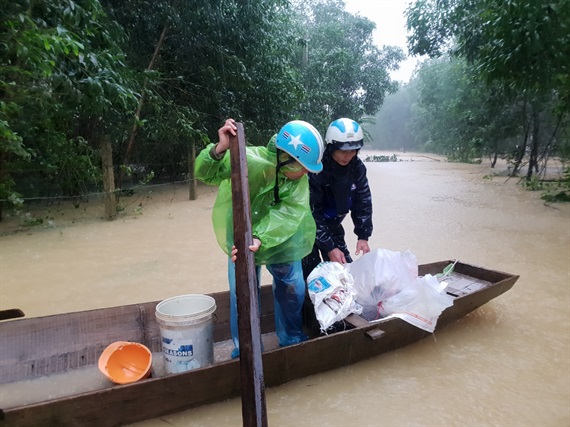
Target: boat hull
{"x": 72, "y": 340}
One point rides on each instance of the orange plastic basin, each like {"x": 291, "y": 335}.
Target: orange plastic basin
{"x": 125, "y": 362}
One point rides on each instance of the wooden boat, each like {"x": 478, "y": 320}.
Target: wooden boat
{"x": 40, "y": 349}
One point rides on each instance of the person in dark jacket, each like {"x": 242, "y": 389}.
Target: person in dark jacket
{"x": 341, "y": 187}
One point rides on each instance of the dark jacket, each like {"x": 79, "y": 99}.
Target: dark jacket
{"x": 336, "y": 191}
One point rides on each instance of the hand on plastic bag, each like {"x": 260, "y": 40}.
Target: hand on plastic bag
{"x": 330, "y": 290}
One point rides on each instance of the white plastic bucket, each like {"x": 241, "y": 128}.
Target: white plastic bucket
{"x": 186, "y": 329}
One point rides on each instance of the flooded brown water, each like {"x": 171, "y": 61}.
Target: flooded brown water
{"x": 506, "y": 364}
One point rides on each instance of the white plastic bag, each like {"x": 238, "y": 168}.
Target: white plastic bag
{"x": 387, "y": 284}
{"x": 331, "y": 292}
{"x": 380, "y": 274}
{"x": 420, "y": 303}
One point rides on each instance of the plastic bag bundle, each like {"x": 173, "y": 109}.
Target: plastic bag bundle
{"x": 387, "y": 284}
{"x": 380, "y": 274}
{"x": 420, "y": 303}
{"x": 332, "y": 294}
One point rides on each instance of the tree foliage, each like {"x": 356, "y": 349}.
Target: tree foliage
{"x": 62, "y": 81}
{"x": 521, "y": 50}
{"x": 522, "y": 43}
{"x": 158, "y": 75}
{"x": 392, "y": 128}
{"x": 346, "y": 74}
{"x": 220, "y": 59}
{"x": 458, "y": 115}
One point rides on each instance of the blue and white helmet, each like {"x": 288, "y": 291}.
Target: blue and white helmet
{"x": 303, "y": 143}
{"x": 345, "y": 134}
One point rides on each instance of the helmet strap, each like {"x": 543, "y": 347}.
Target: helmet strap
{"x": 276, "y": 186}
{"x": 279, "y": 165}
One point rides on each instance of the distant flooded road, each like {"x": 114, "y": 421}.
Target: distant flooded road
{"x": 506, "y": 364}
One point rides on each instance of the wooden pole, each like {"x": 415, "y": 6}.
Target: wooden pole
{"x": 254, "y": 412}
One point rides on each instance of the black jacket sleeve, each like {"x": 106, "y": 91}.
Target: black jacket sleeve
{"x": 362, "y": 204}
{"x": 317, "y": 183}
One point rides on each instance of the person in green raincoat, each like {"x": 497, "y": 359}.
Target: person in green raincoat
{"x": 282, "y": 223}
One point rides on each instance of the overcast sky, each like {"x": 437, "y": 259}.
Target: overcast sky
{"x": 390, "y": 28}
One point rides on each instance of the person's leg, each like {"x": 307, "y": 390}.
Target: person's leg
{"x": 311, "y": 261}
{"x": 289, "y": 295}
{"x": 233, "y": 304}
{"x": 233, "y": 308}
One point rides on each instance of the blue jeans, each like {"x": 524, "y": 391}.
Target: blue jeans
{"x": 288, "y": 298}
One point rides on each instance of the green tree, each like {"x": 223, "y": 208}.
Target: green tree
{"x": 346, "y": 74}
{"x": 159, "y": 75}
{"x": 457, "y": 115}
{"x": 219, "y": 59}
{"x": 391, "y": 130}
{"x": 523, "y": 46}
{"x": 63, "y": 83}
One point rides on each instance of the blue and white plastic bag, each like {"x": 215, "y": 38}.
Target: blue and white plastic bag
{"x": 332, "y": 294}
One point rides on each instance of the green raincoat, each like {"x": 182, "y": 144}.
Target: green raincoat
{"x": 287, "y": 230}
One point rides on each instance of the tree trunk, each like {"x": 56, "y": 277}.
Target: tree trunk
{"x": 108, "y": 178}
{"x": 550, "y": 145}
{"x": 3, "y": 174}
{"x": 494, "y": 159}
{"x": 533, "y": 161}
{"x": 192, "y": 185}
{"x": 520, "y": 152}
{"x": 493, "y": 153}
{"x": 135, "y": 127}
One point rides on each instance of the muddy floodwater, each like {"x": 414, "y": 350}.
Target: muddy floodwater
{"x": 506, "y": 364}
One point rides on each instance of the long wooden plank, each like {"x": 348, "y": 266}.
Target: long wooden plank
{"x": 40, "y": 346}
{"x": 254, "y": 411}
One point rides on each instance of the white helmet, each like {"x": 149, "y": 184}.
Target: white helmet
{"x": 345, "y": 134}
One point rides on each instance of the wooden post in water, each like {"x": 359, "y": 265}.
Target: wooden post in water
{"x": 254, "y": 412}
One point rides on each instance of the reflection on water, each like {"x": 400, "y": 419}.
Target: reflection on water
{"x": 506, "y": 364}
